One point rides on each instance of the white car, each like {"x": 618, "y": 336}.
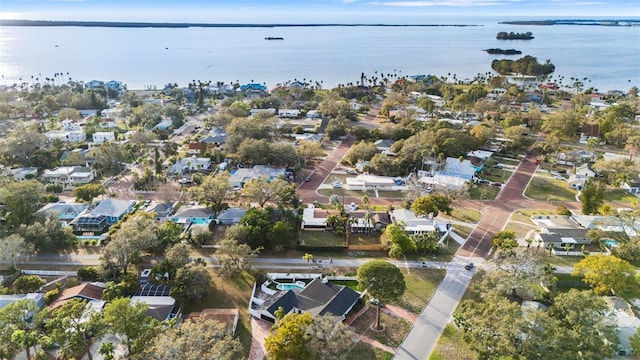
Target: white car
{"x": 337, "y": 184}
{"x": 429, "y": 189}
{"x": 559, "y": 177}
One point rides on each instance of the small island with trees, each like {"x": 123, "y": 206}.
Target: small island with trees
{"x": 497, "y": 51}
{"x": 527, "y": 65}
{"x": 503, "y": 35}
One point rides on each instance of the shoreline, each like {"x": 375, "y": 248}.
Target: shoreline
{"x": 118, "y": 24}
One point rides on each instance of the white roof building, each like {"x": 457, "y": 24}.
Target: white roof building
{"x": 416, "y": 225}
{"x": 102, "y": 136}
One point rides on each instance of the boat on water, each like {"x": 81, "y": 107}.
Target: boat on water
{"x": 274, "y": 38}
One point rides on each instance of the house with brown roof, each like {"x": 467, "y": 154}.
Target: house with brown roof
{"x": 227, "y": 317}
{"x": 362, "y": 221}
{"x": 91, "y": 292}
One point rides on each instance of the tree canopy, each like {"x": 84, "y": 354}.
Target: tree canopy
{"x": 605, "y": 274}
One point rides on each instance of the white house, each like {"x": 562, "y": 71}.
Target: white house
{"x": 289, "y": 113}
{"x": 103, "y": 136}
{"x": 68, "y": 176}
{"x": 413, "y": 224}
{"x": 66, "y": 136}
{"x": 463, "y": 169}
{"x": 314, "y": 114}
{"x": 187, "y": 164}
{"x": 21, "y": 174}
{"x": 70, "y": 125}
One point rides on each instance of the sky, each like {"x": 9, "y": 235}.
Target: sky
{"x": 309, "y": 11}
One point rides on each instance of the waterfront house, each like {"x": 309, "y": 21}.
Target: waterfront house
{"x": 103, "y": 136}
{"x": 113, "y": 85}
{"x": 253, "y": 89}
{"x": 68, "y": 176}
{"x": 102, "y": 214}
{"x": 94, "y": 84}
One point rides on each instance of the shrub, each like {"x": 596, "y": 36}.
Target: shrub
{"x": 28, "y": 283}
{"x": 51, "y": 296}
{"x": 88, "y": 273}
{"x": 561, "y": 210}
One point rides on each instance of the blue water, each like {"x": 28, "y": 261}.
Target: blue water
{"x": 609, "y": 57}
{"x": 286, "y": 287}
{"x": 611, "y": 243}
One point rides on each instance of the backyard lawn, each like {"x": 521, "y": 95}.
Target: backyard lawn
{"x": 549, "y": 189}
{"x": 230, "y": 293}
{"x": 620, "y": 197}
{"x": 321, "y": 238}
{"x": 395, "y": 328}
{"x": 361, "y": 350}
{"x": 451, "y": 346}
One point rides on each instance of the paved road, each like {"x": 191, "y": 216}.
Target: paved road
{"x": 424, "y": 334}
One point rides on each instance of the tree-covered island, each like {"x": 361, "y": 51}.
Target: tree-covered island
{"x": 503, "y": 35}
{"x": 527, "y": 65}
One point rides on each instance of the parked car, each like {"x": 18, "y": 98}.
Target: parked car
{"x": 496, "y": 184}
{"x": 469, "y": 266}
{"x": 336, "y": 184}
{"x": 429, "y": 189}
{"x": 307, "y": 179}
{"x": 498, "y": 166}
{"x": 559, "y": 177}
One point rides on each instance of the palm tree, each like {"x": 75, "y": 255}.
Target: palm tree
{"x": 333, "y": 221}
{"x": 368, "y": 222}
{"x": 309, "y": 258}
{"x": 566, "y": 247}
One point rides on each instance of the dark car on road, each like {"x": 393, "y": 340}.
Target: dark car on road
{"x": 496, "y": 184}
{"x": 469, "y": 266}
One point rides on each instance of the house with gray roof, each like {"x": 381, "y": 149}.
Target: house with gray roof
{"x": 163, "y": 211}
{"x": 216, "y": 136}
{"x": 193, "y": 214}
{"x": 319, "y": 298}
{"x": 64, "y": 211}
{"x": 102, "y": 214}
{"x": 37, "y": 298}
{"x": 231, "y": 216}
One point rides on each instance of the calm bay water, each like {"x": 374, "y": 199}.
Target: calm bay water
{"x": 609, "y": 57}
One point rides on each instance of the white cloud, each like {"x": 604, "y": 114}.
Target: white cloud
{"x": 427, "y": 3}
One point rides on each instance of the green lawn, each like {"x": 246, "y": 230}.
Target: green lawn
{"x": 519, "y": 229}
{"x": 462, "y": 230}
{"x": 549, "y": 189}
{"x": 497, "y": 175}
{"x": 483, "y": 192}
{"x": 621, "y": 197}
{"x": 466, "y": 215}
{"x": 232, "y": 293}
{"x": 421, "y": 283}
{"x": 365, "y": 351}
{"x": 321, "y": 238}
{"x": 451, "y": 346}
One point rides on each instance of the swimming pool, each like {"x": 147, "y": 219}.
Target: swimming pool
{"x": 299, "y": 285}
{"x": 611, "y": 243}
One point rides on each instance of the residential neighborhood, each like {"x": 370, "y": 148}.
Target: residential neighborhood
{"x": 400, "y": 217}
